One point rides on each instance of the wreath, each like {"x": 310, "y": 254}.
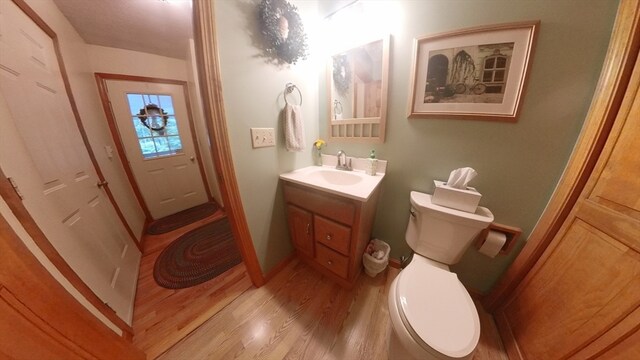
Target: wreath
{"x": 283, "y": 31}
{"x": 153, "y": 111}
{"x": 341, "y": 73}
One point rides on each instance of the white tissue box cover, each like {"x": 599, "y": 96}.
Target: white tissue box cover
{"x": 459, "y": 199}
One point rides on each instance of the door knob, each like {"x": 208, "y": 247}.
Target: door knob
{"x": 102, "y": 183}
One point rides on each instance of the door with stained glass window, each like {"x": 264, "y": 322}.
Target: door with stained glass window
{"x": 155, "y": 131}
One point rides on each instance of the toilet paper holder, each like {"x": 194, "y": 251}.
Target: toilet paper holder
{"x": 511, "y": 232}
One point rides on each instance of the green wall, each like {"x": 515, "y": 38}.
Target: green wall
{"x": 518, "y": 164}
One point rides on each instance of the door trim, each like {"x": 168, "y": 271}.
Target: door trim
{"x": 20, "y": 211}
{"x": 101, "y": 80}
{"x": 612, "y": 86}
{"x": 213, "y": 104}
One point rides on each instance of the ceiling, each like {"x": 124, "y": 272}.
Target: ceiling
{"x": 160, "y": 27}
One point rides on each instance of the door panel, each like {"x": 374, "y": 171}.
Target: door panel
{"x": 576, "y": 295}
{"x": 42, "y": 150}
{"x": 301, "y": 229}
{"x": 584, "y": 291}
{"x": 171, "y": 181}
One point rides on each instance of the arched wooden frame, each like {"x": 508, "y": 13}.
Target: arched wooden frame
{"x": 212, "y": 102}
{"x": 611, "y": 88}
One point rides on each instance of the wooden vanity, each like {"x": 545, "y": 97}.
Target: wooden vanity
{"x": 330, "y": 232}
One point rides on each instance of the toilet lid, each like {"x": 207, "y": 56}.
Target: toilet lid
{"x": 436, "y": 307}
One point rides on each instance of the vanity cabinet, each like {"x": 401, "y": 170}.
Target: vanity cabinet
{"x": 330, "y": 232}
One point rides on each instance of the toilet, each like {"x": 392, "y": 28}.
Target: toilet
{"x": 432, "y": 314}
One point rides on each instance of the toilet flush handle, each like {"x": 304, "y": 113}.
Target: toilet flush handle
{"x": 412, "y": 212}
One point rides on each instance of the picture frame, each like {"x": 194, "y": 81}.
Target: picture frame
{"x": 476, "y": 73}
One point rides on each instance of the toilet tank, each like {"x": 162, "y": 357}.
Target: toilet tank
{"x": 440, "y": 233}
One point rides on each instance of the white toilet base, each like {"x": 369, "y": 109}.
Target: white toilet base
{"x": 401, "y": 344}
{"x": 397, "y": 350}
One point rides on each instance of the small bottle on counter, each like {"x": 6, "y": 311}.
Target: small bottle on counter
{"x": 372, "y": 164}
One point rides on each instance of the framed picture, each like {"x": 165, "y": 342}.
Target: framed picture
{"x": 476, "y": 73}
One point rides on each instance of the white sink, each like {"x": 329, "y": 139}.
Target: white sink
{"x": 337, "y": 177}
{"x": 353, "y": 184}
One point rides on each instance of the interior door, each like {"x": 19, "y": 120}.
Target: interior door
{"x": 582, "y": 298}
{"x": 155, "y": 131}
{"x": 42, "y": 152}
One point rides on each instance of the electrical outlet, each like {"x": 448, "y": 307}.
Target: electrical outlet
{"x": 262, "y": 137}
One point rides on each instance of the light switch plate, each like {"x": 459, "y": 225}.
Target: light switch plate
{"x": 262, "y": 137}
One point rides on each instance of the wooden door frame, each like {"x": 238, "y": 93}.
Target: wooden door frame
{"x": 213, "y": 105}
{"x": 28, "y": 222}
{"x": 612, "y": 85}
{"x": 101, "y": 80}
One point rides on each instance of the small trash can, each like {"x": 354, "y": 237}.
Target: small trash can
{"x": 376, "y": 257}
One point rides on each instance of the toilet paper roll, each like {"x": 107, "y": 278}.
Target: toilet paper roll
{"x": 494, "y": 243}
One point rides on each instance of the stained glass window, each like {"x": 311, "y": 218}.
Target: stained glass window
{"x": 155, "y": 123}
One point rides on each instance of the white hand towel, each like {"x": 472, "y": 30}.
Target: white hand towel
{"x": 293, "y": 128}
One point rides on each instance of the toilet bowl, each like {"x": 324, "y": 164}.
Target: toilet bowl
{"x": 432, "y": 314}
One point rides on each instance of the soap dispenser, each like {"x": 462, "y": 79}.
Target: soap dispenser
{"x": 372, "y": 164}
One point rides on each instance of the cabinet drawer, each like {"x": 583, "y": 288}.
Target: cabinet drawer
{"x": 337, "y": 263}
{"x": 317, "y": 202}
{"x": 332, "y": 234}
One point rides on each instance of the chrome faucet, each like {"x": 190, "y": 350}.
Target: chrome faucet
{"x": 342, "y": 161}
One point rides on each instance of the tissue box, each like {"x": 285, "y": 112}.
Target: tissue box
{"x": 459, "y": 199}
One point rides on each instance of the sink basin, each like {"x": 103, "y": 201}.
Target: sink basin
{"x": 353, "y": 184}
{"x": 337, "y": 177}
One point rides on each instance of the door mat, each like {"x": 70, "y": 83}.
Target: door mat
{"x": 197, "y": 256}
{"x": 182, "y": 218}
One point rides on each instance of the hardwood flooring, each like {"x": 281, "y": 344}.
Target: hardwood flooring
{"x": 164, "y": 316}
{"x": 300, "y": 314}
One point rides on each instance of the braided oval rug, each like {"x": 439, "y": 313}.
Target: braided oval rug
{"x": 197, "y": 256}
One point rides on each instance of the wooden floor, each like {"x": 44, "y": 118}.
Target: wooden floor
{"x": 162, "y": 317}
{"x": 301, "y": 315}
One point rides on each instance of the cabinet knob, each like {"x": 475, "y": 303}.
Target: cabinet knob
{"x": 328, "y": 236}
{"x": 329, "y": 262}
{"x": 309, "y": 229}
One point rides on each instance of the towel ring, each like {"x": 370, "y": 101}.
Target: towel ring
{"x": 288, "y": 89}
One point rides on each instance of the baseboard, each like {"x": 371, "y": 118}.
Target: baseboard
{"x": 281, "y": 265}
{"x": 142, "y": 238}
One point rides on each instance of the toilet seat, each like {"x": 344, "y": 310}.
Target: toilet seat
{"x": 436, "y": 309}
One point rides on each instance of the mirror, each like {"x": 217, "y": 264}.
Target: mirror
{"x": 358, "y": 81}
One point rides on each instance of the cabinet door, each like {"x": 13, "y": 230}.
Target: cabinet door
{"x": 301, "y": 229}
